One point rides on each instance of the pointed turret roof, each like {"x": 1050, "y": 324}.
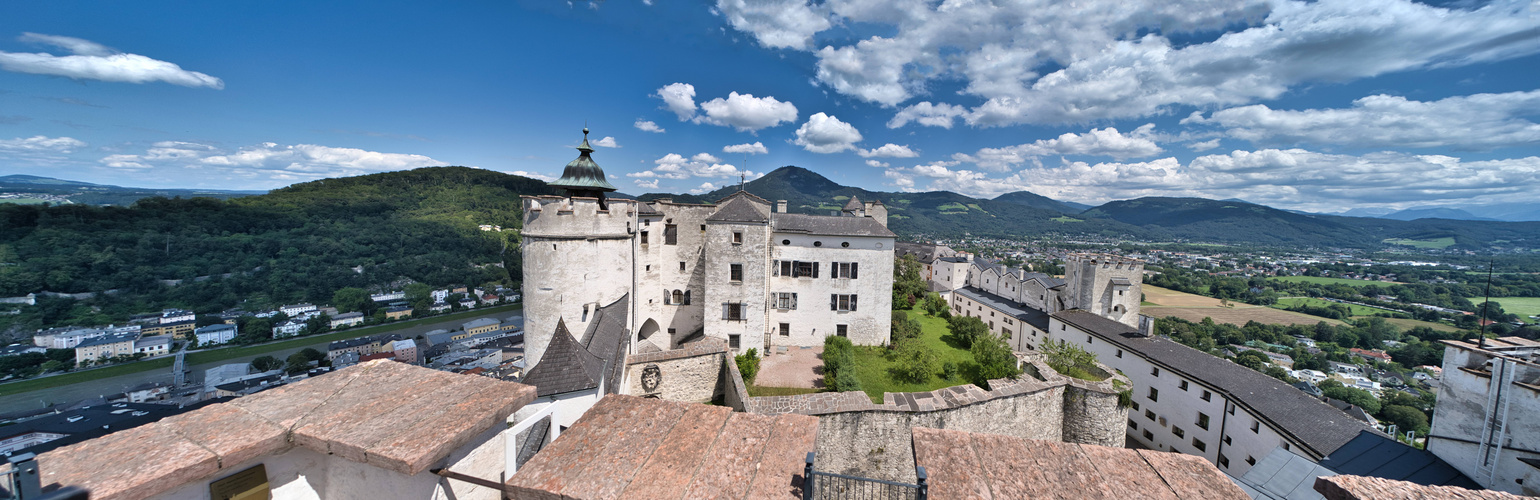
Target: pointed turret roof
{"x": 854, "y": 204}
{"x": 582, "y": 174}
{"x": 565, "y": 367}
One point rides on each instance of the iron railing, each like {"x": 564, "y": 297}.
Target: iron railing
{"x": 817, "y": 485}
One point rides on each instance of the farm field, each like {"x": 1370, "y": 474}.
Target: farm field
{"x": 1357, "y": 310}
{"x": 1196, "y": 307}
{"x": 1408, "y": 324}
{"x": 1331, "y": 281}
{"x": 1522, "y": 306}
{"x": 1435, "y": 243}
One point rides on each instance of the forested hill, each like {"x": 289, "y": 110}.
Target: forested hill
{"x": 937, "y": 214}
{"x": 101, "y": 194}
{"x": 299, "y": 243}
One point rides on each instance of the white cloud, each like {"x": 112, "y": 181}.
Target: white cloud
{"x": 746, "y": 112}
{"x": 826, "y": 134}
{"x": 1098, "y": 142}
{"x": 875, "y": 163}
{"x": 928, "y": 114}
{"x": 888, "y": 150}
{"x": 674, "y": 166}
{"x": 92, "y": 61}
{"x": 757, "y": 148}
{"x": 652, "y": 184}
{"x": 705, "y": 187}
{"x": 740, "y": 111}
{"x": 1204, "y": 146}
{"x": 777, "y": 24}
{"x": 679, "y": 98}
{"x": 1474, "y": 122}
{"x": 606, "y": 142}
{"x": 271, "y": 161}
{"x": 534, "y": 175}
{"x": 1076, "y": 62}
{"x": 648, "y": 126}
{"x": 40, "y": 144}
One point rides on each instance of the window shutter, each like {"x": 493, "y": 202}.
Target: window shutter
{"x": 686, "y": 297}
{"x": 834, "y": 270}
{"x": 724, "y": 310}
{"x": 815, "y": 269}
{"x": 794, "y": 300}
{"x": 853, "y": 270}
{"x": 852, "y": 302}
{"x": 667, "y": 297}
{"x": 834, "y": 302}
{"x": 775, "y": 267}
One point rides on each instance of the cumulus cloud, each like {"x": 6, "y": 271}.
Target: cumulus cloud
{"x": 1076, "y": 62}
{"x": 674, "y": 166}
{"x": 1098, "y": 142}
{"x": 888, "y": 150}
{"x": 1474, "y": 122}
{"x": 740, "y": 111}
{"x": 928, "y": 114}
{"x": 606, "y": 142}
{"x": 1204, "y": 145}
{"x": 776, "y": 24}
{"x": 877, "y": 164}
{"x": 826, "y": 134}
{"x": 271, "y": 161}
{"x": 648, "y": 126}
{"x": 652, "y": 184}
{"x": 1286, "y": 178}
{"x": 89, "y": 60}
{"x": 534, "y": 175}
{"x": 705, "y": 187}
{"x": 757, "y": 148}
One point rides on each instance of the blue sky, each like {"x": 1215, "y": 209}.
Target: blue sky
{"x": 1325, "y": 106}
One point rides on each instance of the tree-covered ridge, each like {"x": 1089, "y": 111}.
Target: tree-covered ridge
{"x": 299, "y": 243}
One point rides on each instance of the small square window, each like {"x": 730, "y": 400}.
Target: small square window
{"x": 737, "y": 237}
{"x": 1224, "y": 461}
{"x": 1228, "y": 440}
{"x": 733, "y": 340}
{"x": 1199, "y": 444}
{"x": 1150, "y": 415}
{"x": 1285, "y": 446}
{"x": 1154, "y": 394}
{"x": 1133, "y": 425}
{"x": 1178, "y": 432}
{"x": 1148, "y": 436}
{"x": 785, "y": 329}
{"x": 1119, "y": 353}
{"x": 1134, "y": 404}
{"x": 702, "y": 228}
{"x": 681, "y": 267}
{"x": 1206, "y": 396}
{"x": 1256, "y": 428}
{"x": 735, "y": 272}
{"x": 1182, "y": 385}
{"x": 1251, "y": 461}
{"x": 1203, "y": 421}
{"x": 1155, "y": 371}
{"x": 841, "y": 330}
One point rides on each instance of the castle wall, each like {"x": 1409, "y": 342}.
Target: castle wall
{"x": 692, "y": 374}
{"x": 658, "y": 273}
{"x": 578, "y": 258}
{"x": 813, "y": 319}
{"x": 1091, "y": 286}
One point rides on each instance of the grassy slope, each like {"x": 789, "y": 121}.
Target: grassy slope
{"x": 1329, "y": 281}
{"x": 222, "y": 354}
{"x": 872, "y": 363}
{"x": 1522, "y": 306}
{"x": 1357, "y": 310}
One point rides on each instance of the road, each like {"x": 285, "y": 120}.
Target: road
{"x": 114, "y": 385}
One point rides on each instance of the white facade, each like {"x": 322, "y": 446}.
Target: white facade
{"x": 288, "y": 328}
{"x": 1487, "y": 421}
{"x": 176, "y": 316}
{"x": 297, "y": 309}
{"x": 215, "y": 334}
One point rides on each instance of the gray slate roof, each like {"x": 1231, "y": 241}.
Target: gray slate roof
{"x": 853, "y": 205}
{"x": 1376, "y": 455}
{"x": 1321, "y": 428}
{"x": 1027, "y": 315}
{"x": 111, "y": 338}
{"x": 571, "y": 366}
{"x": 829, "y": 225}
{"x": 926, "y": 253}
{"x": 740, "y": 209}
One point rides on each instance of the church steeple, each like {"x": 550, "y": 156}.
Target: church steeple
{"x": 582, "y": 176}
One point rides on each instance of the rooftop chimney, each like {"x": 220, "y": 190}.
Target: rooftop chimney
{"x": 780, "y": 206}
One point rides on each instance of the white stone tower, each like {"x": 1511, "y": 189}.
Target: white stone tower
{"x": 577, "y": 253}
{"x": 1106, "y": 285}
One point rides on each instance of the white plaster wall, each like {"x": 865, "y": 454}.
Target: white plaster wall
{"x": 1457, "y": 425}
{"x": 1090, "y": 287}
{"x": 575, "y": 255}
{"x": 657, "y": 269}
{"x": 869, "y": 324}
{"x": 951, "y": 275}
{"x": 752, "y": 254}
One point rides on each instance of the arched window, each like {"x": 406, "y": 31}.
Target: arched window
{"x": 686, "y": 297}
{"x": 679, "y": 297}
{"x": 666, "y": 298}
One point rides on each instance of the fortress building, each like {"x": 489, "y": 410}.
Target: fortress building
{"x": 739, "y": 270}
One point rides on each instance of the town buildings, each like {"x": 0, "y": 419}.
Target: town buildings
{"x": 215, "y": 334}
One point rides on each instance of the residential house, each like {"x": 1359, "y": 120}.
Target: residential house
{"x": 18, "y": 349}
{"x": 105, "y": 346}
{"x": 398, "y": 312}
{"x": 388, "y": 296}
{"x": 158, "y": 345}
{"x": 406, "y": 351}
{"x": 1374, "y": 354}
{"x": 467, "y": 303}
{"x": 177, "y": 316}
{"x": 288, "y": 328}
{"x": 482, "y": 325}
{"x": 215, "y": 334}
{"x": 345, "y": 320}
{"x": 297, "y": 309}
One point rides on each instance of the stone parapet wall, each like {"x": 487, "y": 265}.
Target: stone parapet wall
{"x": 693, "y": 374}
{"x": 859, "y": 437}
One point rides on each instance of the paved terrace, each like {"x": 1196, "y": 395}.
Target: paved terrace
{"x": 381, "y": 413}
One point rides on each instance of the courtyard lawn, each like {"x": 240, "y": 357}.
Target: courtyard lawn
{"x": 757, "y": 391}
{"x": 872, "y": 364}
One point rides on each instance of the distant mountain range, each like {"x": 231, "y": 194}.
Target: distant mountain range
{"x": 943, "y": 214}
{"x": 101, "y": 194}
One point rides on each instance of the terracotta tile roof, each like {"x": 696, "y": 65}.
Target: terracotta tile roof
{"x": 638, "y": 448}
{"x": 975, "y": 465}
{"x": 428, "y": 414}
{"x": 1319, "y": 427}
{"x": 1367, "y": 488}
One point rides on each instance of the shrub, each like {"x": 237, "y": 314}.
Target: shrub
{"x": 916, "y": 362}
{"x": 949, "y": 370}
{"x": 838, "y": 353}
{"x": 934, "y": 304}
{"x": 994, "y": 358}
{"x": 846, "y": 381}
{"x": 904, "y": 327}
{"x": 748, "y": 365}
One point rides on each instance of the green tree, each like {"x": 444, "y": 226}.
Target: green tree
{"x": 1252, "y": 359}
{"x": 1069, "y": 360}
{"x": 297, "y": 363}
{"x": 319, "y": 323}
{"x": 908, "y": 284}
{"x": 265, "y": 363}
{"x": 904, "y": 327}
{"x": 52, "y": 366}
{"x": 420, "y": 296}
{"x": 916, "y": 362}
{"x": 994, "y": 358}
{"x": 967, "y": 329}
{"x": 1359, "y": 397}
{"x": 352, "y": 299}
{"x": 1406, "y": 418}
{"x": 934, "y": 304}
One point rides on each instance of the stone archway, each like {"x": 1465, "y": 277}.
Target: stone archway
{"x": 645, "y": 333}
